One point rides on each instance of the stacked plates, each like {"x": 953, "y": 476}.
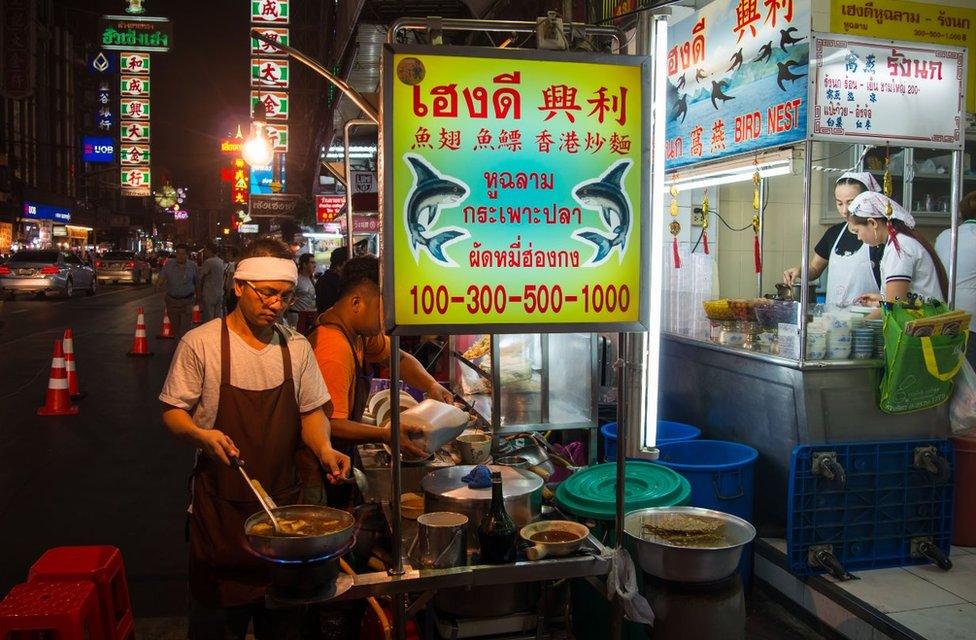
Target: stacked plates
{"x": 877, "y": 326}
{"x": 863, "y": 342}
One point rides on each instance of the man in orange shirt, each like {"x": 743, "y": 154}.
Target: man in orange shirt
{"x": 347, "y": 342}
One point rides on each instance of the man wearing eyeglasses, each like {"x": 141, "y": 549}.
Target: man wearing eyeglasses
{"x": 245, "y": 388}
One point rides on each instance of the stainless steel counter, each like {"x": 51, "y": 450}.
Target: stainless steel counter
{"x": 773, "y": 405}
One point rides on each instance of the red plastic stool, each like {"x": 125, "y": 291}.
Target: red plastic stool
{"x": 101, "y": 565}
{"x": 68, "y": 609}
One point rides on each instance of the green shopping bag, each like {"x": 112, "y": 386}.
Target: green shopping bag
{"x": 918, "y": 370}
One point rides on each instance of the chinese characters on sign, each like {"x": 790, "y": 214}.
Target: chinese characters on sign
{"x": 937, "y": 23}
{"x": 134, "y": 110}
{"x": 516, "y": 191}
{"x": 259, "y": 48}
{"x": 275, "y": 11}
{"x": 240, "y": 183}
{"x": 269, "y": 71}
{"x": 17, "y": 34}
{"x": 868, "y": 90}
{"x": 737, "y": 73}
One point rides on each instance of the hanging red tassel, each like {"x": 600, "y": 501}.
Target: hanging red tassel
{"x": 674, "y": 250}
{"x": 705, "y": 241}
{"x": 893, "y": 236}
{"x": 757, "y": 254}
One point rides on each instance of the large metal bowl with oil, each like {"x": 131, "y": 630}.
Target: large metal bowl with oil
{"x": 711, "y": 561}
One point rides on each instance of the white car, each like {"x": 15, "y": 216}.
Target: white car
{"x": 42, "y": 271}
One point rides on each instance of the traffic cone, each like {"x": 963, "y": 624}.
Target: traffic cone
{"x": 167, "y": 332}
{"x": 58, "y": 400}
{"x": 140, "y": 344}
{"x": 197, "y": 317}
{"x": 69, "y": 362}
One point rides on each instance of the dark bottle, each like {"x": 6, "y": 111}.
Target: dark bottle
{"x": 496, "y": 533}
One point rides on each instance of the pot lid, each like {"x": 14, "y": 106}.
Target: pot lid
{"x": 591, "y": 492}
{"x": 447, "y": 483}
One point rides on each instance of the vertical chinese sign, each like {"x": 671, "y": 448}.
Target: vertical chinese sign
{"x": 737, "y": 79}
{"x": 134, "y": 83}
{"x": 269, "y": 76}
{"x": 516, "y": 190}
{"x": 17, "y": 34}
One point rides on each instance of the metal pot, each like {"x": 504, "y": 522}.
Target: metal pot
{"x": 444, "y": 491}
{"x": 300, "y": 547}
{"x": 688, "y": 564}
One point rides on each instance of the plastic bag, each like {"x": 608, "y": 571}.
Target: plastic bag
{"x": 962, "y": 407}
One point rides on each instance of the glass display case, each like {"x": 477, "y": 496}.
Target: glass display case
{"x": 527, "y": 382}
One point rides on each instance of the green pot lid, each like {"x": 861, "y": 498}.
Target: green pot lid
{"x": 591, "y": 493}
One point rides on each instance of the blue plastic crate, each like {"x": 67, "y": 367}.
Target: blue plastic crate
{"x": 871, "y": 522}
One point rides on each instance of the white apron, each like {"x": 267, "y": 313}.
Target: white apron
{"x": 849, "y": 276}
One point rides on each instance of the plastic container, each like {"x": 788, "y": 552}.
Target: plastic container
{"x": 964, "y": 527}
{"x": 667, "y": 432}
{"x": 591, "y": 493}
{"x": 721, "y": 473}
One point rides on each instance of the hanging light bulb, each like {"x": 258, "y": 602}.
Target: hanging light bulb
{"x": 257, "y": 150}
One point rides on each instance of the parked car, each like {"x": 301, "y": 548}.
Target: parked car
{"x": 39, "y": 272}
{"x": 123, "y": 266}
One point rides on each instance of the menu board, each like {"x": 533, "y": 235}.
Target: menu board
{"x": 515, "y": 191}
{"x": 877, "y": 90}
{"x": 737, "y": 79}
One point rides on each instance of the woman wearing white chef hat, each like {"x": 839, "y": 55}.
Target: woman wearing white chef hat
{"x": 909, "y": 263}
{"x": 853, "y": 264}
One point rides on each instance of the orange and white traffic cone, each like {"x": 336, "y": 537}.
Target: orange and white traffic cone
{"x": 167, "y": 332}
{"x": 197, "y": 316}
{"x": 140, "y": 344}
{"x": 58, "y": 400}
{"x": 69, "y": 362}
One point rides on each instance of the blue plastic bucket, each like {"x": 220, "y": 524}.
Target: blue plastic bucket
{"x": 721, "y": 473}
{"x": 666, "y": 432}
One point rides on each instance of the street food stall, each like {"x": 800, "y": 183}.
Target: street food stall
{"x": 763, "y": 119}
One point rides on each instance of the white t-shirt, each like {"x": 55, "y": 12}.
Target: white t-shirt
{"x": 212, "y": 277}
{"x": 965, "y": 266}
{"x": 193, "y": 382}
{"x": 911, "y": 264}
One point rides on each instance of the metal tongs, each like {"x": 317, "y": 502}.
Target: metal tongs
{"x": 263, "y": 498}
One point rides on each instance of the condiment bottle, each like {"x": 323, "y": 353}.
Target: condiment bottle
{"x": 496, "y": 533}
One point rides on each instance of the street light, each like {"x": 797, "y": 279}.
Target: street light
{"x": 257, "y": 150}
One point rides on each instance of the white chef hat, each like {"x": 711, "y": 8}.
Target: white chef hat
{"x": 871, "y": 204}
{"x": 864, "y": 177}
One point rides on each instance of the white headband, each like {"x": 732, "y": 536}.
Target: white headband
{"x": 864, "y": 177}
{"x": 267, "y": 268}
{"x": 870, "y": 204}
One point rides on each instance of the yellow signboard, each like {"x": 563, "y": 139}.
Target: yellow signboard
{"x": 914, "y": 22}
{"x": 515, "y": 190}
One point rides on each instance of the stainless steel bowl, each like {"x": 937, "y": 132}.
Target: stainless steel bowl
{"x": 687, "y": 564}
{"x": 300, "y": 547}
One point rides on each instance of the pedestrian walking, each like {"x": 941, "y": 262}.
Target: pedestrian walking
{"x": 230, "y": 261}
{"x": 302, "y": 312}
{"x": 246, "y": 387}
{"x": 210, "y": 288}
{"x": 178, "y": 278}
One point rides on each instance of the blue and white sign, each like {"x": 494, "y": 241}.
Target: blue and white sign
{"x": 98, "y": 149}
{"x": 40, "y": 211}
{"x": 103, "y": 63}
{"x": 262, "y": 177}
{"x": 737, "y": 79}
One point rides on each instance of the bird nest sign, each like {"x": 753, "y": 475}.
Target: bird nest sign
{"x": 516, "y": 190}
{"x": 737, "y": 79}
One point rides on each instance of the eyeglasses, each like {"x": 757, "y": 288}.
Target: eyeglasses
{"x": 268, "y": 298}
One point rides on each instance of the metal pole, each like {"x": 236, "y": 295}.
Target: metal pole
{"x": 623, "y": 376}
{"x": 506, "y": 26}
{"x": 805, "y": 247}
{"x": 955, "y": 193}
{"x": 396, "y": 568}
{"x": 762, "y": 233}
{"x": 356, "y": 97}
{"x": 348, "y": 177}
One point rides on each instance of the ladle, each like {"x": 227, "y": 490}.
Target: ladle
{"x": 259, "y": 493}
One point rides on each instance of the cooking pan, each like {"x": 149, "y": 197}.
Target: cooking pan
{"x": 300, "y": 547}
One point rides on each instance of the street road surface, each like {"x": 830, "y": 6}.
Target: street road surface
{"x": 111, "y": 474}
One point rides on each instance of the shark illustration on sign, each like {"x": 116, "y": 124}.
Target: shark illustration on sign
{"x": 431, "y": 192}
{"x": 606, "y": 194}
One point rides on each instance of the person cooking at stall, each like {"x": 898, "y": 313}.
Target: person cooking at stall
{"x": 249, "y": 387}
{"x": 348, "y": 341}
{"x": 965, "y": 264}
{"x": 909, "y": 263}
{"x": 854, "y": 266}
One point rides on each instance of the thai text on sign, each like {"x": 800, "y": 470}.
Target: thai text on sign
{"x": 516, "y": 191}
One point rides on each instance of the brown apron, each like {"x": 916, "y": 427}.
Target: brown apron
{"x": 266, "y": 427}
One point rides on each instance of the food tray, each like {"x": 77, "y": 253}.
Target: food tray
{"x": 871, "y": 522}
{"x": 718, "y": 310}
